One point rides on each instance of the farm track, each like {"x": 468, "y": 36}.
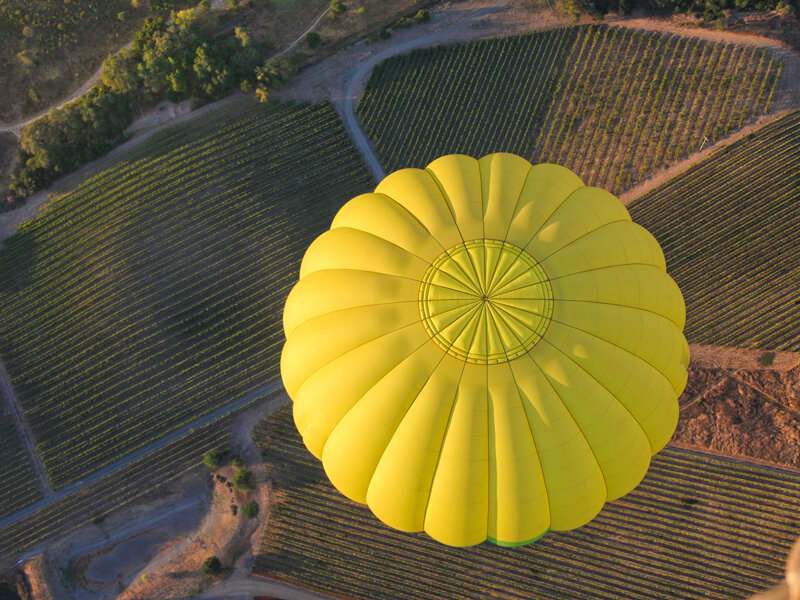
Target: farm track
{"x": 24, "y": 433}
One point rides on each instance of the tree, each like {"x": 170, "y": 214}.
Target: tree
{"x": 313, "y": 40}
{"x": 237, "y": 461}
{"x": 212, "y": 566}
{"x": 250, "y": 510}
{"x": 337, "y": 6}
{"x": 213, "y": 459}
{"x": 244, "y": 481}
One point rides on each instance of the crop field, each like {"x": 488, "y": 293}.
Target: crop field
{"x": 730, "y": 230}
{"x": 17, "y": 479}
{"x": 109, "y": 495}
{"x": 697, "y": 527}
{"x": 153, "y": 293}
{"x": 610, "y": 103}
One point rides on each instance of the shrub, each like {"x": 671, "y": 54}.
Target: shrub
{"x": 313, "y": 40}
{"x": 244, "y": 481}
{"x": 234, "y": 509}
{"x": 422, "y": 16}
{"x": 212, "y": 566}
{"x": 250, "y": 510}
{"x": 766, "y": 359}
{"x": 237, "y": 461}
{"x": 337, "y": 6}
{"x": 385, "y": 34}
{"x": 213, "y": 459}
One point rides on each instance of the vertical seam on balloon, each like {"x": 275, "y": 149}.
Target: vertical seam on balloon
{"x": 555, "y": 209}
{"x": 444, "y": 437}
{"x": 625, "y": 350}
{"x": 540, "y": 261}
{"x": 614, "y": 266}
{"x": 572, "y": 417}
{"x": 583, "y": 235}
{"x": 408, "y": 213}
{"x": 535, "y": 447}
{"x": 453, "y": 217}
{"x": 441, "y": 447}
{"x": 405, "y": 414}
{"x": 409, "y": 355}
{"x": 516, "y": 202}
{"x": 601, "y": 384}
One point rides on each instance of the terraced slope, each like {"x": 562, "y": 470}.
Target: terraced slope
{"x": 17, "y": 480}
{"x": 697, "y": 527}
{"x": 153, "y": 293}
{"x": 612, "y": 104}
{"x": 730, "y": 230}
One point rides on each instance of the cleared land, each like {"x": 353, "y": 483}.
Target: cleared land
{"x": 612, "y": 104}
{"x": 730, "y": 230}
{"x": 152, "y": 293}
{"x": 697, "y": 527}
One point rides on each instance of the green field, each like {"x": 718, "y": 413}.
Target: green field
{"x": 111, "y": 494}
{"x": 697, "y": 527}
{"x": 730, "y": 230}
{"x": 153, "y": 293}
{"x": 610, "y": 103}
{"x": 18, "y": 481}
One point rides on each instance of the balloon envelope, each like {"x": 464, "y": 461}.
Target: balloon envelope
{"x": 484, "y": 350}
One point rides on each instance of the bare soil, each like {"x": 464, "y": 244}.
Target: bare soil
{"x": 749, "y": 413}
{"x": 176, "y": 571}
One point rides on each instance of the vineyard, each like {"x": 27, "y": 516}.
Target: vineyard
{"x": 17, "y": 479}
{"x": 697, "y": 527}
{"x": 730, "y": 230}
{"x": 152, "y": 294}
{"x": 610, "y": 103}
{"x": 109, "y": 495}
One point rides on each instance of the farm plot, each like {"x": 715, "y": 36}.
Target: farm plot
{"x": 612, "y": 104}
{"x": 153, "y": 293}
{"x": 697, "y": 527}
{"x": 17, "y": 479}
{"x": 730, "y": 230}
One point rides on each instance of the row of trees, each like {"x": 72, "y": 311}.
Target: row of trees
{"x": 189, "y": 56}
{"x": 708, "y": 9}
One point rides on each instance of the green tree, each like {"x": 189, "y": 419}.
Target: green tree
{"x": 213, "y": 459}
{"x": 313, "y": 40}
{"x": 212, "y": 567}
{"x": 244, "y": 481}
{"x": 250, "y": 510}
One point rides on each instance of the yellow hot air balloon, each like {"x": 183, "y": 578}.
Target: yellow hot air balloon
{"x": 484, "y": 350}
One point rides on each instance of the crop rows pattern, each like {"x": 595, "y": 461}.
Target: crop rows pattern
{"x": 109, "y": 495}
{"x": 153, "y": 293}
{"x": 697, "y": 527}
{"x": 730, "y": 230}
{"x": 17, "y": 479}
{"x": 612, "y": 104}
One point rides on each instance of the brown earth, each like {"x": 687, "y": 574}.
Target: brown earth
{"x": 749, "y": 413}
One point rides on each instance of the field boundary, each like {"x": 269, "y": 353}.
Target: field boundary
{"x": 132, "y": 457}
{"x": 24, "y": 431}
